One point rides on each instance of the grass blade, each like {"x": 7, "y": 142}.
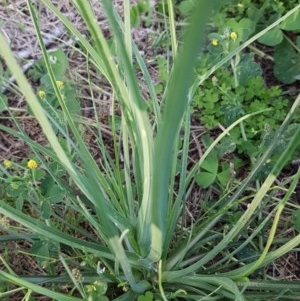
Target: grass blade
{"x": 176, "y": 103}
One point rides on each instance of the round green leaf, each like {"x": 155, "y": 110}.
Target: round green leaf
{"x": 205, "y": 179}
{"x": 185, "y": 7}
{"x": 247, "y": 68}
{"x": 211, "y": 164}
{"x": 272, "y": 37}
{"x": 148, "y": 296}
{"x": 45, "y": 209}
{"x": 287, "y": 63}
{"x": 54, "y": 193}
{"x": 292, "y": 22}
{"x": 224, "y": 176}
{"x": 247, "y": 27}
{"x": 39, "y": 174}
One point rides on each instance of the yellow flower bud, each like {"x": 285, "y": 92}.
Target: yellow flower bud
{"x": 59, "y": 84}
{"x": 233, "y": 35}
{"x": 32, "y": 164}
{"x": 215, "y": 42}
{"x": 7, "y": 163}
{"x": 42, "y": 94}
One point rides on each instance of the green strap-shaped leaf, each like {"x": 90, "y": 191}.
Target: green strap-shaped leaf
{"x": 176, "y": 102}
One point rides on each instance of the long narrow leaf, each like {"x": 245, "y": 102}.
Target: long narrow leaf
{"x": 41, "y": 290}
{"x": 175, "y": 105}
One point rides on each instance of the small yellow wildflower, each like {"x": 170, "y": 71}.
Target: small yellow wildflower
{"x": 7, "y": 163}
{"x": 32, "y": 164}
{"x": 42, "y": 94}
{"x": 215, "y": 42}
{"x": 59, "y": 84}
{"x": 233, "y": 35}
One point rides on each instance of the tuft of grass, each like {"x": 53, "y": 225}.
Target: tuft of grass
{"x": 133, "y": 200}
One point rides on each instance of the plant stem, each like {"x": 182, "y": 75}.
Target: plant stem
{"x": 234, "y": 64}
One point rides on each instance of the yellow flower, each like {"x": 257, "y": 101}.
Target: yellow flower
{"x": 233, "y": 35}
{"x": 215, "y": 42}
{"x": 59, "y": 84}
{"x": 42, "y": 94}
{"x": 7, "y": 163}
{"x": 32, "y": 164}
